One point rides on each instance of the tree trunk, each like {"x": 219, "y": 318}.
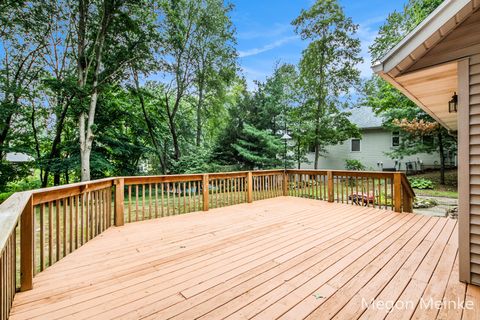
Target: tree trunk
{"x": 85, "y": 130}
{"x": 150, "y": 128}
{"x": 442, "y": 158}
{"x": 55, "y": 151}
{"x": 85, "y": 164}
{"x": 199, "y": 113}
{"x": 173, "y": 131}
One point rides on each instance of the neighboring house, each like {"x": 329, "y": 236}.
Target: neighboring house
{"x": 437, "y": 66}
{"x": 18, "y": 157}
{"x": 372, "y": 148}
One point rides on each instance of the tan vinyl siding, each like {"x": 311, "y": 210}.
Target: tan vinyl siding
{"x": 474, "y": 103}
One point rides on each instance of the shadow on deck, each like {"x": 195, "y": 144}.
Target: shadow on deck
{"x": 288, "y": 258}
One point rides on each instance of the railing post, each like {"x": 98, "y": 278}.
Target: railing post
{"x": 407, "y": 203}
{"x": 330, "y": 186}
{"x": 119, "y": 201}
{"x": 26, "y": 247}
{"x": 249, "y": 187}
{"x": 397, "y": 191}
{"x": 205, "y": 192}
{"x": 285, "y": 183}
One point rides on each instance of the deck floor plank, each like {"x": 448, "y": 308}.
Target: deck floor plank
{"x": 286, "y": 257}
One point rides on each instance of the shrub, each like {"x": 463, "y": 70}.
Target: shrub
{"x": 354, "y": 165}
{"x": 421, "y": 183}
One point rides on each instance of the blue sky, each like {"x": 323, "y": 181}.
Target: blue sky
{"x": 266, "y": 37}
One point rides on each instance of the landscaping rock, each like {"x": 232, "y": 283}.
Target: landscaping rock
{"x": 421, "y": 203}
{"x": 453, "y": 213}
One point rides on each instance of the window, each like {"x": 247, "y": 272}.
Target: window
{"x": 395, "y": 138}
{"x": 355, "y": 145}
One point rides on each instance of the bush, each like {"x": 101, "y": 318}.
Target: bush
{"x": 421, "y": 183}
{"x": 354, "y": 165}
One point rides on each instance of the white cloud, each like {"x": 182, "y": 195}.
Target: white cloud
{"x": 278, "y": 29}
{"x": 367, "y": 32}
{"x": 267, "y": 47}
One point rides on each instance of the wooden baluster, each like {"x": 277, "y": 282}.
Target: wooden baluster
{"x": 392, "y": 194}
{"x": 349, "y": 179}
{"x": 149, "y": 201}
{"x": 98, "y": 214}
{"x": 184, "y": 199}
{"x": 98, "y": 208}
{"x": 77, "y": 222}
{"x": 42, "y": 236}
{"x": 129, "y": 203}
{"x": 189, "y": 197}
{"x": 386, "y": 193}
{"x": 205, "y": 188}
{"x": 168, "y": 199}
{"x": 71, "y": 224}
{"x": 179, "y": 197}
{"x": 57, "y": 230}
{"x": 215, "y": 193}
{"x": 356, "y": 189}
{"x": 156, "y": 200}
{"x": 82, "y": 221}
{"x": 136, "y": 202}
{"x": 379, "y": 187}
{"x": 162, "y": 199}
{"x": 64, "y": 231}
{"x": 106, "y": 217}
{"x": 373, "y": 190}
{"x": 143, "y": 202}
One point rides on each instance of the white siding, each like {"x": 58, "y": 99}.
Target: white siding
{"x": 375, "y": 143}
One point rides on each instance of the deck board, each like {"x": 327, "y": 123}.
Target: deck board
{"x": 285, "y": 258}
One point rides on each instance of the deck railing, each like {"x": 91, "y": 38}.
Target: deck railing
{"x": 40, "y": 227}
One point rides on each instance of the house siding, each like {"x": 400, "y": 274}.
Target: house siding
{"x": 374, "y": 144}
{"x": 474, "y": 163}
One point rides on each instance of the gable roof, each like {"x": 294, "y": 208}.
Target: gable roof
{"x": 438, "y": 25}
{"x": 365, "y": 118}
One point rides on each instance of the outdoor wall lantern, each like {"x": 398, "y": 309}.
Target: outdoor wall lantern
{"x": 452, "y": 104}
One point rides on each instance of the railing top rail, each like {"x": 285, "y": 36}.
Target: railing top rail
{"x": 345, "y": 172}
{"x": 10, "y": 212}
{"x": 407, "y": 187}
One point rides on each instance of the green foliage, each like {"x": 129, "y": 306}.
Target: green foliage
{"x": 352, "y": 164}
{"x": 327, "y": 74}
{"x": 390, "y": 103}
{"x": 420, "y": 183}
{"x": 258, "y": 148}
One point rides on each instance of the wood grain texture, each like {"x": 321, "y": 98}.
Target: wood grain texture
{"x": 281, "y": 258}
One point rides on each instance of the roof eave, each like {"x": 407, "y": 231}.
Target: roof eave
{"x": 440, "y": 16}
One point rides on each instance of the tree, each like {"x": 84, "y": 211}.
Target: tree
{"x": 420, "y": 133}
{"x": 215, "y": 59}
{"x": 110, "y": 35}
{"x": 22, "y": 32}
{"x": 327, "y": 72}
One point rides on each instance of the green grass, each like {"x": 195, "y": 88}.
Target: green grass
{"x": 448, "y": 190}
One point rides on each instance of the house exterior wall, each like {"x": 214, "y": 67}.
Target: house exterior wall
{"x": 374, "y": 143}
{"x": 469, "y": 168}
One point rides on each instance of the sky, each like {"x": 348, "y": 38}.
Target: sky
{"x": 266, "y": 37}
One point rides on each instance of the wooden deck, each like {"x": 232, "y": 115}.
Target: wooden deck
{"x": 286, "y": 257}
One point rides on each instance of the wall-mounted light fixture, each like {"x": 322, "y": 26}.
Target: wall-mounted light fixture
{"x": 452, "y": 104}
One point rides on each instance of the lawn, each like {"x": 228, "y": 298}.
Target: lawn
{"x": 447, "y": 190}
